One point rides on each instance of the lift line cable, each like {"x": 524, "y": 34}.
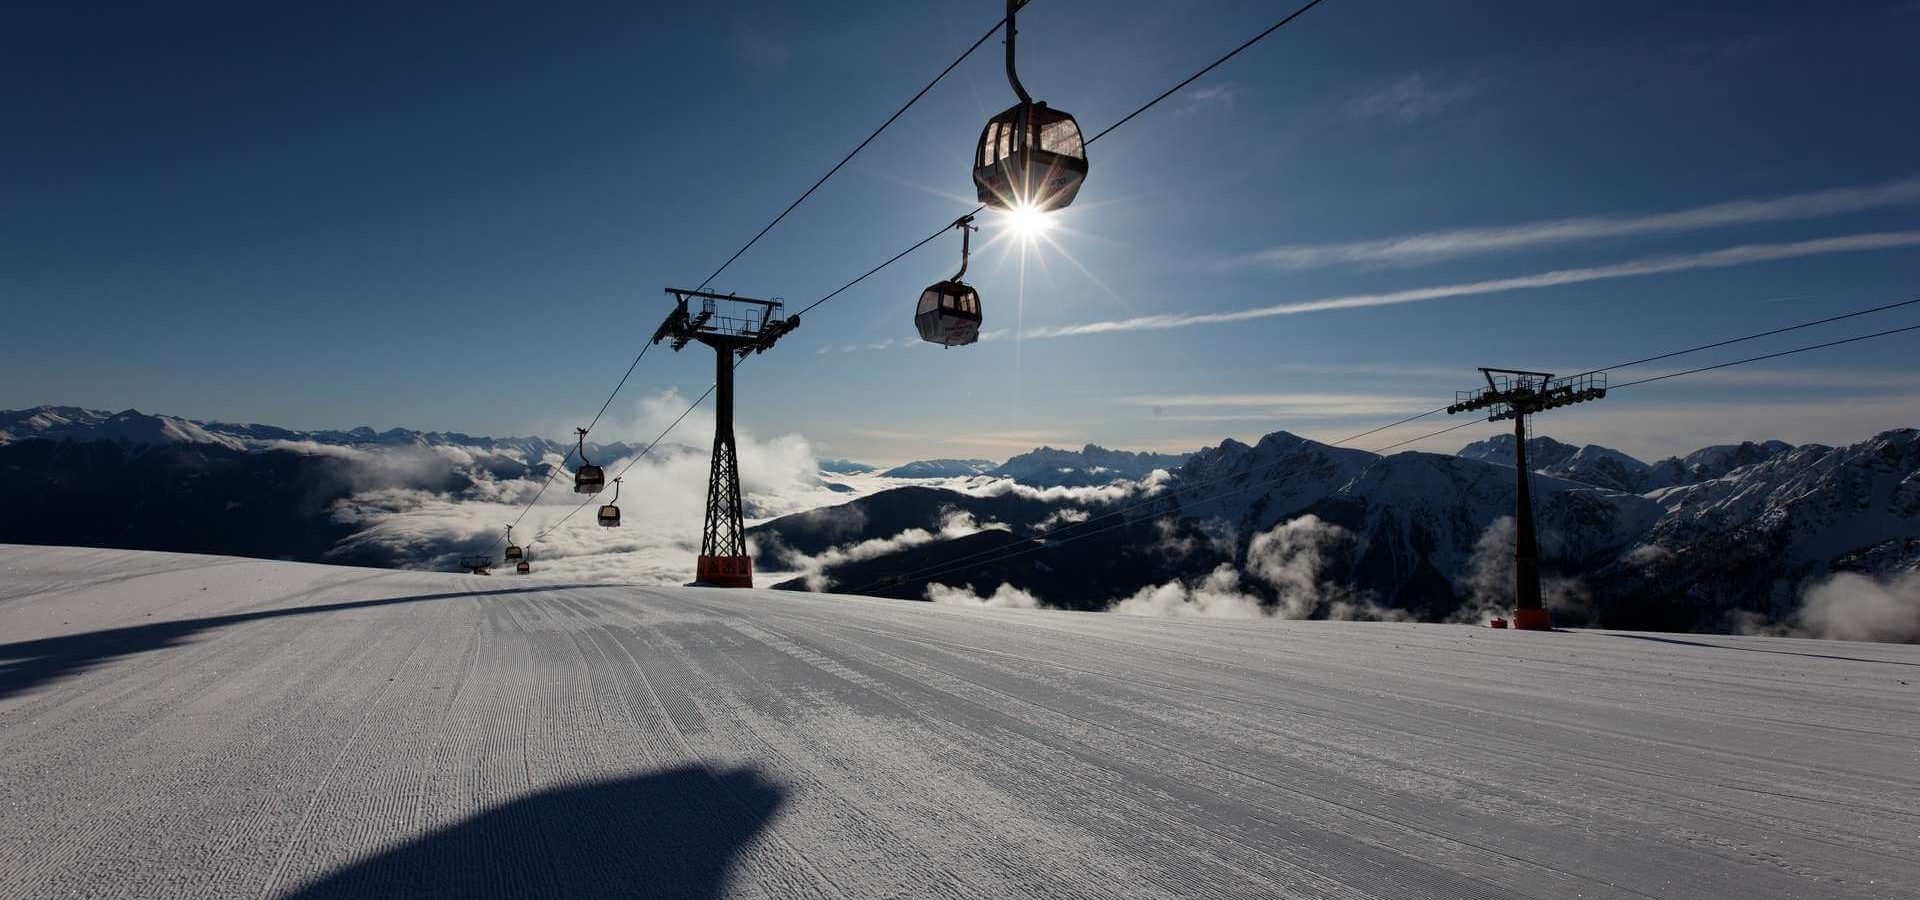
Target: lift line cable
{"x": 1764, "y": 356}
{"x": 943, "y": 229}
{"x": 854, "y": 152}
{"x": 557, "y": 469}
{"x": 1645, "y": 360}
{"x": 1349, "y": 439}
{"x": 896, "y": 258}
{"x": 970, "y": 561}
{"x": 769, "y": 227}
{"x": 1750, "y": 337}
{"x": 977, "y": 210}
{"x": 808, "y": 193}
{"x": 1210, "y": 67}
{"x": 622, "y": 383}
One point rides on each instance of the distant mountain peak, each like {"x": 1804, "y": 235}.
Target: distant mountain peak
{"x": 941, "y": 468}
{"x": 1090, "y": 465}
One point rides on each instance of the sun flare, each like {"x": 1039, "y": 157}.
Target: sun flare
{"x": 1029, "y": 221}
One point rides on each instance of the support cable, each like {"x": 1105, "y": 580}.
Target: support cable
{"x": 852, "y": 153}
{"x": 1209, "y": 67}
{"x": 1089, "y": 141}
{"x": 623, "y": 469}
{"x": 762, "y": 233}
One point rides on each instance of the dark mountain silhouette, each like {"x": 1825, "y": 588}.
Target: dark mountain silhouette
{"x": 941, "y": 468}
{"x": 1090, "y": 465}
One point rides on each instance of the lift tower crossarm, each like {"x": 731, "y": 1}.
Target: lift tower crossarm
{"x": 1517, "y": 394}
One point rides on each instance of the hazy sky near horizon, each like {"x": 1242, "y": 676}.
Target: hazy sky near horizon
{"x": 461, "y": 217}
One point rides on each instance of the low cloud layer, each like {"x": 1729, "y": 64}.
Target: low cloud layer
{"x": 1291, "y": 560}
{"x": 427, "y": 507}
{"x": 1489, "y": 580}
{"x": 1852, "y": 607}
{"x": 1006, "y": 596}
{"x": 953, "y": 524}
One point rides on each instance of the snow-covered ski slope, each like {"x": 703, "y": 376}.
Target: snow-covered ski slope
{"x": 185, "y": 726}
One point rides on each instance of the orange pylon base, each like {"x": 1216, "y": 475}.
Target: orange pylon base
{"x": 725, "y": 571}
{"x": 1532, "y": 620}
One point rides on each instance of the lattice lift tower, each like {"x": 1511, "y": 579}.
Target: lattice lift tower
{"x": 1516, "y": 395}
{"x": 743, "y": 326}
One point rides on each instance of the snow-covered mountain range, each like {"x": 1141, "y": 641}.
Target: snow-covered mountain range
{"x": 1089, "y": 465}
{"x": 133, "y": 427}
{"x": 1728, "y": 537}
{"x": 1605, "y": 467}
{"x": 1722, "y": 538}
{"x": 941, "y": 468}
{"x": 1041, "y": 466}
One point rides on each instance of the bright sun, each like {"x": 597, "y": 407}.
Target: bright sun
{"x": 1028, "y": 220}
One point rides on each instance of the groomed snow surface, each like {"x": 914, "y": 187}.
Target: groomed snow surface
{"x": 188, "y": 726}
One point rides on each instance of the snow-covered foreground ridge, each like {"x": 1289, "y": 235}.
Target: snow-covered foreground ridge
{"x": 178, "y": 726}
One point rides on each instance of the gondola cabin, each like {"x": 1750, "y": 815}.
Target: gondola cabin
{"x": 588, "y": 479}
{"x": 610, "y": 511}
{"x": 1030, "y": 156}
{"x": 513, "y": 551}
{"x": 948, "y": 314}
{"x": 523, "y": 567}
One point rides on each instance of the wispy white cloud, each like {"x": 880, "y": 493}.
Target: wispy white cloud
{"x": 755, "y": 47}
{"x": 1285, "y": 404}
{"x": 1006, "y": 596}
{"x": 1433, "y": 246}
{"x": 1731, "y": 256}
{"x": 1212, "y": 96}
{"x": 1412, "y": 98}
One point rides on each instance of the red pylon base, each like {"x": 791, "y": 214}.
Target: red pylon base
{"x": 725, "y": 571}
{"x": 1532, "y": 620}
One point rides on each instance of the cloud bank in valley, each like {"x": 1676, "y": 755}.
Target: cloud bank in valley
{"x": 1290, "y": 559}
{"x": 474, "y": 495}
{"x": 1849, "y": 606}
{"x": 953, "y": 524}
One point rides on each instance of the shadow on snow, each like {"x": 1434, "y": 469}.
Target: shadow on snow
{"x": 28, "y": 664}
{"x": 671, "y": 834}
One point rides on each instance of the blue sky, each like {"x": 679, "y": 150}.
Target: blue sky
{"x": 462, "y": 217}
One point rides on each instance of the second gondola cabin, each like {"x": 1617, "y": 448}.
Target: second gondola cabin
{"x": 948, "y": 314}
{"x": 610, "y": 511}
{"x": 1030, "y": 157}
